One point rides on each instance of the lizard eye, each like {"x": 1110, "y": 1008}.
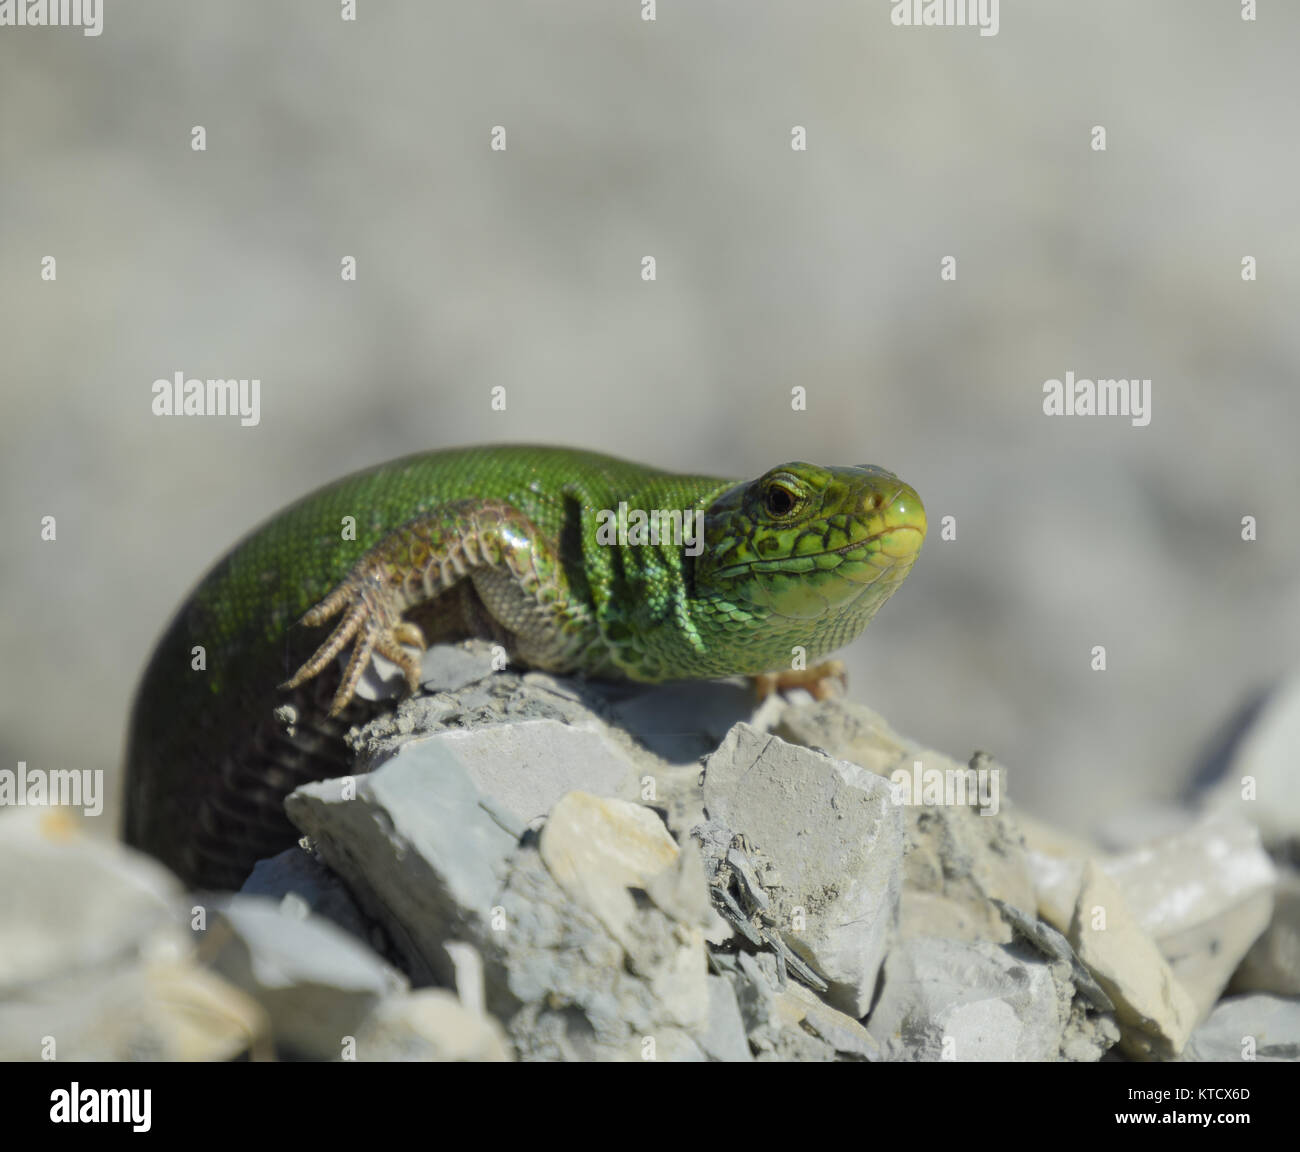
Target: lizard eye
{"x": 779, "y": 500}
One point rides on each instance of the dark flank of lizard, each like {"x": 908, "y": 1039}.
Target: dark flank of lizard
{"x": 516, "y": 544}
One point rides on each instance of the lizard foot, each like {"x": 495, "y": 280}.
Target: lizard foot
{"x": 374, "y": 622}
{"x": 824, "y": 680}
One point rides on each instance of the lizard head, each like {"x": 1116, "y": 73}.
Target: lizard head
{"x": 805, "y": 541}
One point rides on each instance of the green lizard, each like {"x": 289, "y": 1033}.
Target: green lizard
{"x": 511, "y": 543}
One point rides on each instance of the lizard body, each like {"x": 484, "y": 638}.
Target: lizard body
{"x": 512, "y": 543}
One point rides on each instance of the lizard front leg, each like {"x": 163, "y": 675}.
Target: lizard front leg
{"x": 517, "y": 573}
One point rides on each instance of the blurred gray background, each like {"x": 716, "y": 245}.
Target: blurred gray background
{"x": 776, "y": 268}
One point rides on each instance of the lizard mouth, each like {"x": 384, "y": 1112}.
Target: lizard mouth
{"x": 808, "y": 563}
{"x": 903, "y": 554}
{"x": 804, "y": 596}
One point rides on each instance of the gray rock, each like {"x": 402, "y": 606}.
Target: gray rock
{"x": 1273, "y": 962}
{"x": 772, "y": 1022}
{"x": 1154, "y": 1011}
{"x": 957, "y": 859}
{"x": 599, "y": 851}
{"x": 95, "y": 961}
{"x": 420, "y": 848}
{"x": 526, "y": 767}
{"x": 724, "y": 1037}
{"x": 1203, "y": 895}
{"x": 530, "y": 767}
{"x": 957, "y": 1000}
{"x": 683, "y": 722}
{"x": 683, "y": 893}
{"x": 836, "y": 838}
{"x": 443, "y": 668}
{"x": 957, "y": 854}
{"x": 803, "y": 1010}
{"x": 1247, "y": 1028}
{"x": 580, "y": 997}
{"x": 297, "y": 873}
{"x": 1087, "y": 1036}
{"x": 452, "y": 667}
{"x": 1048, "y": 942}
{"x": 625, "y": 725}
{"x": 847, "y": 730}
{"x": 72, "y": 902}
{"x": 755, "y": 993}
{"x": 505, "y": 697}
{"x": 316, "y": 982}
{"x": 156, "y": 1009}
{"x": 740, "y": 878}
{"x": 1089, "y": 1028}
{"x": 429, "y": 1025}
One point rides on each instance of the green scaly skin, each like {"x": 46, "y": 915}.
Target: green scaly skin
{"x": 501, "y": 542}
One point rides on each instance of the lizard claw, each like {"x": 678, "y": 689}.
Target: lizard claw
{"x": 374, "y": 623}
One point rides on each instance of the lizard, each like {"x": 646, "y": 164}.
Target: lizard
{"x": 512, "y": 543}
